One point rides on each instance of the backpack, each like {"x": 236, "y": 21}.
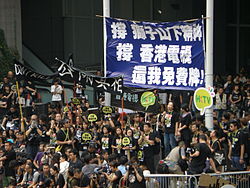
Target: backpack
{"x": 182, "y": 163}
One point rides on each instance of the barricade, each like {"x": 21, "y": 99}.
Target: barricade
{"x": 237, "y": 179}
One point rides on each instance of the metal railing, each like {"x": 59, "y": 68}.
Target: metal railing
{"x": 238, "y": 179}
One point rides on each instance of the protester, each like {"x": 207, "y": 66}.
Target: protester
{"x": 66, "y": 149}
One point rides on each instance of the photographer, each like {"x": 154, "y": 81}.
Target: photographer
{"x": 33, "y": 137}
{"x": 115, "y": 176}
{"x": 199, "y": 157}
{"x": 134, "y": 174}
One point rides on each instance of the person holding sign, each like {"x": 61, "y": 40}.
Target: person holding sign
{"x": 117, "y": 142}
{"x": 106, "y": 139}
{"x": 129, "y": 144}
{"x": 147, "y": 139}
{"x": 170, "y": 121}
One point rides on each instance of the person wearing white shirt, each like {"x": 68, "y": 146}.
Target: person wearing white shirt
{"x": 56, "y": 91}
{"x": 64, "y": 166}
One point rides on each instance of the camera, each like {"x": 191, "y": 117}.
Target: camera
{"x": 190, "y": 150}
{"x": 101, "y": 170}
{"x": 33, "y": 124}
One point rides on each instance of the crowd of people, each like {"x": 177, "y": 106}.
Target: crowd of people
{"x": 63, "y": 149}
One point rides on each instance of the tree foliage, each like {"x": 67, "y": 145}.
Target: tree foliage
{"x": 7, "y": 56}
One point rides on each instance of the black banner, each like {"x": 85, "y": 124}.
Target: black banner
{"x": 107, "y": 84}
{"x": 137, "y": 100}
{"x": 24, "y": 72}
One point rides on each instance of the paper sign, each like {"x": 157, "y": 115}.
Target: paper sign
{"x": 107, "y": 110}
{"x": 92, "y": 117}
{"x": 147, "y": 99}
{"x": 203, "y": 99}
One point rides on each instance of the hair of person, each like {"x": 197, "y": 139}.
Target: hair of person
{"x": 113, "y": 164}
{"x": 107, "y": 127}
{"x": 226, "y": 116}
{"x": 64, "y": 156}
{"x": 216, "y": 133}
{"x": 203, "y": 137}
{"x": 181, "y": 144}
{"x": 87, "y": 158}
{"x": 71, "y": 172}
{"x": 235, "y": 123}
{"x": 199, "y": 118}
{"x": 43, "y": 118}
{"x": 74, "y": 151}
{"x": 203, "y": 129}
{"x": 104, "y": 152}
{"x": 134, "y": 160}
{"x": 184, "y": 106}
{"x": 55, "y": 168}
{"x": 46, "y": 164}
{"x": 148, "y": 124}
{"x": 123, "y": 160}
{"x": 112, "y": 157}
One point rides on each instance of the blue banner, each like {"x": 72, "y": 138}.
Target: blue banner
{"x": 156, "y": 55}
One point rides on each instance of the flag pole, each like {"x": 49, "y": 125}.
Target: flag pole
{"x": 209, "y": 58}
{"x": 106, "y": 13}
{"x": 20, "y": 107}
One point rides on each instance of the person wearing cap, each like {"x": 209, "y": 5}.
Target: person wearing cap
{"x": 8, "y": 156}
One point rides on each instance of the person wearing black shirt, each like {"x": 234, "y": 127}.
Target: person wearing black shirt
{"x": 44, "y": 175}
{"x": 64, "y": 136}
{"x": 215, "y": 145}
{"x": 11, "y": 118}
{"x": 236, "y": 146}
{"x": 44, "y": 130}
{"x": 187, "y": 97}
{"x": 115, "y": 176}
{"x": 74, "y": 162}
{"x": 175, "y": 98}
{"x": 199, "y": 157}
{"x": 147, "y": 139}
{"x": 31, "y": 89}
{"x": 185, "y": 121}
{"x": 170, "y": 122}
{"x": 58, "y": 178}
{"x": 8, "y": 156}
{"x": 83, "y": 181}
{"x": 33, "y": 137}
{"x": 134, "y": 175}
{"x": 106, "y": 139}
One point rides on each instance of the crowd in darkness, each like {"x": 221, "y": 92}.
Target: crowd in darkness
{"x": 63, "y": 149}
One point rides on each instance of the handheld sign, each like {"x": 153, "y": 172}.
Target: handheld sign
{"x": 203, "y": 99}
{"x": 92, "y": 117}
{"x": 107, "y": 110}
{"x": 86, "y": 137}
{"x": 125, "y": 141}
{"x": 147, "y": 99}
{"x": 76, "y": 101}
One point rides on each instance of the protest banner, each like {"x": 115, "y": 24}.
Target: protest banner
{"x": 156, "y": 55}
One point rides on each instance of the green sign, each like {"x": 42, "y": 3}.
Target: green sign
{"x": 86, "y": 137}
{"x": 125, "y": 141}
{"x": 92, "y": 117}
{"x": 76, "y": 101}
{"x": 148, "y": 99}
{"x": 203, "y": 99}
{"x": 107, "y": 110}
